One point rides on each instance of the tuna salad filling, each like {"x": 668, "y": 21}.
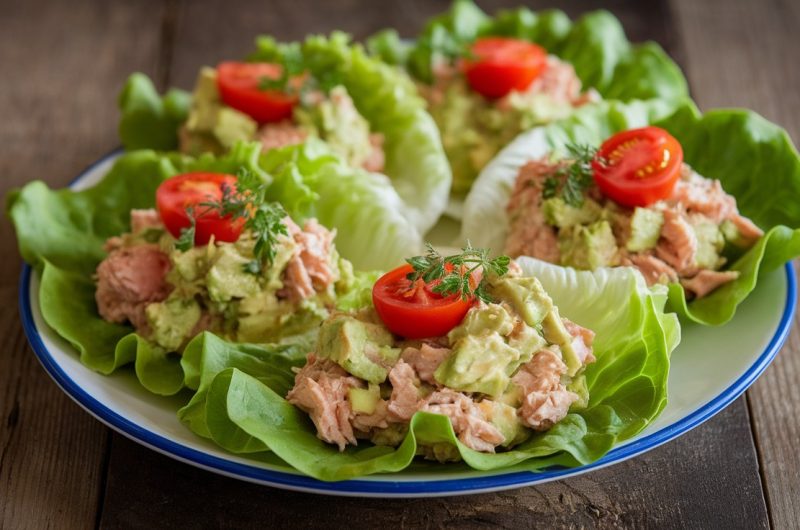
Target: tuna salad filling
{"x": 686, "y": 237}
{"x": 474, "y": 127}
{"x": 512, "y": 366}
{"x": 215, "y": 126}
{"x": 250, "y": 275}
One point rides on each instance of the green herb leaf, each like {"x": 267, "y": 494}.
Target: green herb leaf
{"x": 573, "y": 179}
{"x": 453, "y": 273}
{"x": 186, "y": 239}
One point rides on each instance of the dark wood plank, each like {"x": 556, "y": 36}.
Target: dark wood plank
{"x": 698, "y": 481}
{"x": 744, "y": 55}
{"x": 63, "y": 63}
{"x": 707, "y": 478}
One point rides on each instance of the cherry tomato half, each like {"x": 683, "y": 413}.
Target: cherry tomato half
{"x": 238, "y": 85}
{"x": 180, "y": 192}
{"x": 414, "y": 311}
{"x": 638, "y": 167}
{"x": 500, "y": 65}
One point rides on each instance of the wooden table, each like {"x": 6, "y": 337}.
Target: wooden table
{"x": 62, "y": 64}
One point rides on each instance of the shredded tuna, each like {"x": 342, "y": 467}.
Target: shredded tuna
{"x": 129, "y": 279}
{"x": 469, "y": 422}
{"x": 707, "y": 280}
{"x": 320, "y": 389}
{"x": 529, "y": 234}
{"x": 559, "y": 81}
{"x": 746, "y": 227}
{"x": 582, "y": 340}
{"x": 653, "y": 269}
{"x": 701, "y": 195}
{"x": 546, "y": 400}
{"x": 425, "y": 360}
{"x": 310, "y": 268}
{"x": 405, "y": 392}
{"x": 143, "y": 219}
{"x": 281, "y": 134}
{"x": 678, "y": 243}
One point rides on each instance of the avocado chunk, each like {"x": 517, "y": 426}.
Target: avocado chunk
{"x": 172, "y": 321}
{"x": 578, "y": 386}
{"x": 733, "y": 236}
{"x": 645, "y": 229}
{"x": 364, "y": 400}
{"x": 512, "y": 396}
{"x": 588, "y": 247}
{"x": 478, "y": 364}
{"x": 526, "y": 295}
{"x": 504, "y": 418}
{"x": 559, "y": 213}
{"x": 483, "y": 319}
{"x": 527, "y": 340}
{"x": 556, "y": 333}
{"x": 710, "y": 242}
{"x": 227, "y": 278}
{"x": 363, "y": 349}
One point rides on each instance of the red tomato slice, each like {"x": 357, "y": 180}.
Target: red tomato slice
{"x": 238, "y": 85}
{"x": 638, "y": 167}
{"x": 500, "y": 65}
{"x": 415, "y": 311}
{"x": 180, "y": 192}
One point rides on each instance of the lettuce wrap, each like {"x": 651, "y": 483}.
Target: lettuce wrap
{"x": 240, "y": 401}
{"x": 595, "y": 45}
{"x": 61, "y": 234}
{"x": 737, "y": 147}
{"x": 414, "y": 160}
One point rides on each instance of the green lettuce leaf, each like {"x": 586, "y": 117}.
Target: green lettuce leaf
{"x": 243, "y": 412}
{"x": 415, "y": 160}
{"x": 737, "y": 147}
{"x": 149, "y": 121}
{"x": 595, "y": 44}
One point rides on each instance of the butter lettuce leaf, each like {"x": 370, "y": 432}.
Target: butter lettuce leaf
{"x": 738, "y": 147}
{"x": 147, "y": 120}
{"x": 243, "y": 407}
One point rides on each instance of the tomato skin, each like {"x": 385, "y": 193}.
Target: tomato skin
{"x": 638, "y": 167}
{"x": 177, "y": 193}
{"x": 425, "y": 314}
{"x": 238, "y": 88}
{"x": 501, "y": 65}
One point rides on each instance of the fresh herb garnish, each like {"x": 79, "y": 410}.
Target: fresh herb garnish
{"x": 247, "y": 201}
{"x": 294, "y": 78}
{"x": 573, "y": 179}
{"x": 454, "y": 273}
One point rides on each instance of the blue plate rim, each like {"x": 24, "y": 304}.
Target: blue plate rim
{"x": 388, "y": 488}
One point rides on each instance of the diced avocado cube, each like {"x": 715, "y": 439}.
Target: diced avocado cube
{"x": 645, "y": 229}
{"x": 513, "y": 395}
{"x": 172, "y": 321}
{"x": 710, "y": 243}
{"x": 232, "y": 126}
{"x": 478, "y": 364}
{"x": 559, "y": 213}
{"x": 227, "y": 278}
{"x": 528, "y": 341}
{"x": 504, "y": 418}
{"x": 556, "y": 333}
{"x": 483, "y": 319}
{"x": 526, "y": 295}
{"x": 578, "y": 386}
{"x": 588, "y": 247}
{"x": 357, "y": 347}
{"x": 364, "y": 400}
{"x": 733, "y": 236}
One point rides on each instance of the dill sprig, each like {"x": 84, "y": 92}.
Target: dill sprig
{"x": 453, "y": 274}
{"x": 264, "y": 219}
{"x": 572, "y": 180}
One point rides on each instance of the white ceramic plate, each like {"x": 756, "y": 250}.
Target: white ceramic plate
{"x": 710, "y": 368}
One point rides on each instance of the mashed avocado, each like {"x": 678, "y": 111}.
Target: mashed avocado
{"x": 215, "y": 127}
{"x": 474, "y": 128}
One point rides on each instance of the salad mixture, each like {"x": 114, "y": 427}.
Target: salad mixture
{"x": 205, "y": 257}
{"x": 215, "y": 257}
{"x": 631, "y": 202}
{"x": 500, "y": 364}
{"x": 259, "y": 101}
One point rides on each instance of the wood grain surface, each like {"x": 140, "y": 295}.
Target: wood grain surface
{"x": 63, "y": 63}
